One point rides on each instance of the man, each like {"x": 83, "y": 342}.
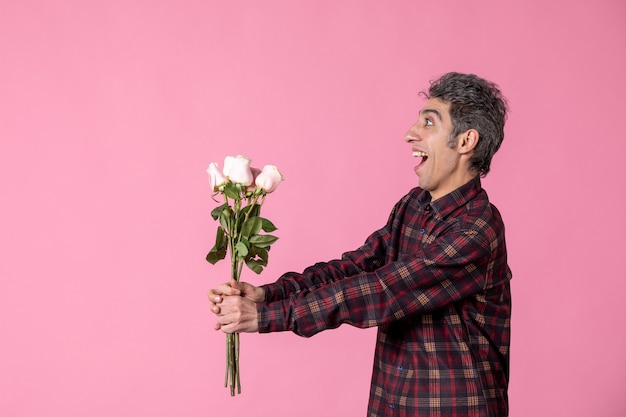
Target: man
{"x": 435, "y": 279}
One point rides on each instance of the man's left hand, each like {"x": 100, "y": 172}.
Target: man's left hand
{"x": 237, "y": 315}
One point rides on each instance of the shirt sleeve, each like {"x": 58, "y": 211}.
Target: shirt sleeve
{"x": 367, "y": 258}
{"x": 453, "y": 268}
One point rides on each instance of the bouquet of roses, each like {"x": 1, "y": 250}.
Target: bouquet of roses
{"x": 240, "y": 231}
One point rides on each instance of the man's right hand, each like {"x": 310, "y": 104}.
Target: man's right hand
{"x": 234, "y": 288}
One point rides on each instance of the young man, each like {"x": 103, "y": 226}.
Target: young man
{"x": 435, "y": 279}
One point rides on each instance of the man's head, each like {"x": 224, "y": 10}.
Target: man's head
{"x": 458, "y": 131}
{"x": 477, "y": 104}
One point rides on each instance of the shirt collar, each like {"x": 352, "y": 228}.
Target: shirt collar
{"x": 449, "y": 202}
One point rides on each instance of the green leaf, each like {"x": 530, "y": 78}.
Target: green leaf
{"x": 242, "y": 249}
{"x": 259, "y": 255}
{"x": 263, "y": 241}
{"x": 220, "y": 240}
{"x": 251, "y": 226}
{"x": 225, "y": 217}
{"x": 218, "y": 251}
{"x": 232, "y": 191}
{"x": 267, "y": 225}
{"x": 254, "y": 266}
{"x": 254, "y": 210}
{"x": 256, "y": 259}
{"x": 217, "y": 211}
{"x": 216, "y": 255}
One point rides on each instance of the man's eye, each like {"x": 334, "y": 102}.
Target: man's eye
{"x": 428, "y": 122}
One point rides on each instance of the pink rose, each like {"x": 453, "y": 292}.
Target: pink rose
{"x": 255, "y": 173}
{"x": 269, "y": 178}
{"x": 237, "y": 169}
{"x": 216, "y": 178}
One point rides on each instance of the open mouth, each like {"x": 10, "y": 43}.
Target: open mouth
{"x": 420, "y": 154}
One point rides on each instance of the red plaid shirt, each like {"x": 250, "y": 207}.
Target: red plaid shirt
{"x": 435, "y": 281}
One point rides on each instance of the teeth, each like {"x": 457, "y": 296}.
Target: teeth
{"x": 419, "y": 153}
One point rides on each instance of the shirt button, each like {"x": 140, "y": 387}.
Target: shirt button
{"x": 392, "y": 406}
{"x": 422, "y": 231}
{"x": 400, "y": 368}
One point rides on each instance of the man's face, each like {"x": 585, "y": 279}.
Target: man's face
{"x": 440, "y": 170}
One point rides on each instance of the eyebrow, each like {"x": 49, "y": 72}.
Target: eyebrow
{"x": 433, "y": 111}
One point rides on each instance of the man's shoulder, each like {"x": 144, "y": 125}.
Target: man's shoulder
{"x": 411, "y": 196}
{"x": 414, "y": 192}
{"x": 480, "y": 213}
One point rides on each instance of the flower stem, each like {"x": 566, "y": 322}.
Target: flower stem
{"x": 227, "y": 361}
{"x": 232, "y": 378}
{"x": 237, "y": 347}
{"x": 233, "y": 365}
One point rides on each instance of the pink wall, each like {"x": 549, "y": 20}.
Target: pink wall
{"x": 110, "y": 112}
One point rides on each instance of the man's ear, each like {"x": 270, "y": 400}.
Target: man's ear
{"x": 468, "y": 141}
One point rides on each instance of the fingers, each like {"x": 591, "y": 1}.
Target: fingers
{"x": 237, "y": 314}
{"x": 229, "y": 288}
{"x": 215, "y": 295}
{"x": 234, "y": 304}
{"x": 214, "y": 298}
{"x": 251, "y": 292}
{"x": 242, "y": 288}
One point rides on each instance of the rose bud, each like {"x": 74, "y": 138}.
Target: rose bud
{"x": 269, "y": 178}
{"x": 237, "y": 169}
{"x": 255, "y": 173}
{"x": 216, "y": 178}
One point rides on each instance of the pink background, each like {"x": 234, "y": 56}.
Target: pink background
{"x": 110, "y": 111}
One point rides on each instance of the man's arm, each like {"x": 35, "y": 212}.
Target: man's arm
{"x": 370, "y": 256}
{"x": 436, "y": 275}
{"x": 235, "y": 303}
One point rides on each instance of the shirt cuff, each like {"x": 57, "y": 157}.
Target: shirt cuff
{"x": 272, "y": 317}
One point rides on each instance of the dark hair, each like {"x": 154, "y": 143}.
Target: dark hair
{"x": 475, "y": 103}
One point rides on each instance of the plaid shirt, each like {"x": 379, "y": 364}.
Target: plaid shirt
{"x": 435, "y": 281}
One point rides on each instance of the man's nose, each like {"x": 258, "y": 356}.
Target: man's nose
{"x": 411, "y": 135}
